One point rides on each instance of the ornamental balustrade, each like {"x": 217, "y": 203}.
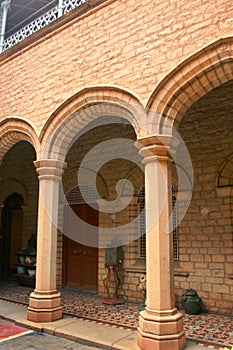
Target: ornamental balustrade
{"x": 50, "y": 16}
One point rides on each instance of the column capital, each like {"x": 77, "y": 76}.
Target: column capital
{"x": 49, "y": 167}
{"x": 154, "y": 147}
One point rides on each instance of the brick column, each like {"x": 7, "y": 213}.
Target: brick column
{"x": 160, "y": 325}
{"x": 45, "y": 302}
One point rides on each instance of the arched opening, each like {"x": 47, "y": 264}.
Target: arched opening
{"x": 205, "y": 238}
{"x": 11, "y": 233}
{"x": 100, "y": 159}
{"x": 19, "y": 209}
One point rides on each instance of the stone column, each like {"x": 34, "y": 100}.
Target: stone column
{"x": 160, "y": 325}
{"x": 45, "y": 302}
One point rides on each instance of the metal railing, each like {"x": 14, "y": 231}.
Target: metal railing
{"x": 50, "y": 16}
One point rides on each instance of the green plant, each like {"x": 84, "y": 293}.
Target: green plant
{"x": 228, "y": 348}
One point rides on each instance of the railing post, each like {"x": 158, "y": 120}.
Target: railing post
{"x": 60, "y": 8}
{"x": 5, "y": 7}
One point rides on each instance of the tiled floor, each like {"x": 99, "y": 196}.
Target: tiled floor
{"x": 216, "y": 331}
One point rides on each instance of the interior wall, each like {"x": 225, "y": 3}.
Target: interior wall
{"x": 19, "y": 175}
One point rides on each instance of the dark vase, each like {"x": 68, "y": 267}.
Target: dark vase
{"x": 191, "y": 302}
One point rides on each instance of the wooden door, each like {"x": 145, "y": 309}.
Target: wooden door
{"x": 81, "y": 261}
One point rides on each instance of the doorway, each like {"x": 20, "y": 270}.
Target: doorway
{"x": 10, "y": 233}
{"x": 80, "y": 259}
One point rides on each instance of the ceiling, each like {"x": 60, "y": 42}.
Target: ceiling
{"x": 22, "y": 12}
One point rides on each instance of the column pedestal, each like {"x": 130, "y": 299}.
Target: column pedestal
{"x": 44, "y": 308}
{"x": 161, "y": 330}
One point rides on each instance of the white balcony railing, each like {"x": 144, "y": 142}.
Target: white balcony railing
{"x": 50, "y": 16}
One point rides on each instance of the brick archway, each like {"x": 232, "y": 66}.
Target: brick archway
{"x": 16, "y": 129}
{"x": 83, "y": 108}
{"x": 189, "y": 81}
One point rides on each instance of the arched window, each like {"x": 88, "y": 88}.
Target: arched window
{"x": 142, "y": 224}
{"x": 81, "y": 194}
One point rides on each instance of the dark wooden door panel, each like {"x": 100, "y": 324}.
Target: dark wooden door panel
{"x": 89, "y": 272}
{"x": 81, "y": 261}
{"x": 74, "y": 263}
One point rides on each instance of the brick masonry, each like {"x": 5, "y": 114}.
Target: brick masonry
{"x": 205, "y": 234}
{"x": 134, "y": 45}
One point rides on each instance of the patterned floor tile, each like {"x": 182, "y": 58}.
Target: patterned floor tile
{"x": 216, "y": 331}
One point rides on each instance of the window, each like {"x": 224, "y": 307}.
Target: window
{"x": 174, "y": 225}
{"x": 75, "y": 195}
{"x": 142, "y": 224}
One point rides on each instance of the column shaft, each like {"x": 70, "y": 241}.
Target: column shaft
{"x": 45, "y": 303}
{"x": 159, "y": 260}
{"x": 160, "y": 325}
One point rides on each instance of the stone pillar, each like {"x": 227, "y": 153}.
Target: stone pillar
{"x": 160, "y": 325}
{"x": 45, "y": 302}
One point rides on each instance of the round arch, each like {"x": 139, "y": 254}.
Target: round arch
{"x": 9, "y": 186}
{"x": 225, "y": 173}
{"x": 70, "y": 180}
{"x": 134, "y": 177}
{"x": 80, "y": 110}
{"x": 15, "y": 129}
{"x": 190, "y": 80}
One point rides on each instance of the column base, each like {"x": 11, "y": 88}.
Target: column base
{"x": 161, "y": 330}
{"x": 44, "y": 308}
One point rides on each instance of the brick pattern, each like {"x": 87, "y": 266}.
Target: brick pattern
{"x": 14, "y": 130}
{"x": 199, "y": 74}
{"x": 205, "y": 234}
{"x": 133, "y": 54}
{"x": 109, "y": 47}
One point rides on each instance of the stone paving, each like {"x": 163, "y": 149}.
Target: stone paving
{"x": 18, "y": 338}
{"x": 42, "y": 341}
